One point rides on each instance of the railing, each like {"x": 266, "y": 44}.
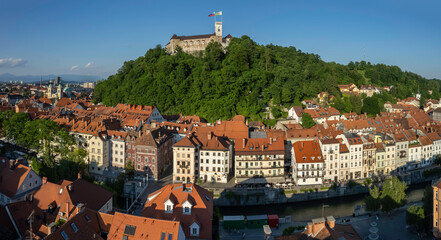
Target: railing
{"x": 311, "y": 169}
{"x": 310, "y": 176}
{"x": 261, "y": 167}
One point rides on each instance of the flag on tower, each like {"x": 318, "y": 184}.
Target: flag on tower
{"x": 215, "y": 14}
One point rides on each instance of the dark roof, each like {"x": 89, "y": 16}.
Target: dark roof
{"x": 192, "y": 37}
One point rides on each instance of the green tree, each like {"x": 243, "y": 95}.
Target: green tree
{"x": 356, "y": 103}
{"x": 307, "y": 121}
{"x": 277, "y": 113}
{"x": 129, "y": 169}
{"x": 393, "y": 194}
{"x": 415, "y": 216}
{"x": 372, "y": 201}
{"x": 245, "y": 77}
{"x": 371, "y": 107}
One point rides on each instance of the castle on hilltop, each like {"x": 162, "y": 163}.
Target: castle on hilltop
{"x": 197, "y": 43}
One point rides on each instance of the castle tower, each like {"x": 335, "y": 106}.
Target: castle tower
{"x": 218, "y": 27}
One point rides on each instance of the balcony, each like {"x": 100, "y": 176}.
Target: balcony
{"x": 311, "y": 169}
{"x": 310, "y": 176}
{"x": 260, "y": 167}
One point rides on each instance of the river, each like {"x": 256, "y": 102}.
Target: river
{"x": 305, "y": 211}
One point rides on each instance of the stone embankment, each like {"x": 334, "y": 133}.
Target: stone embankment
{"x": 269, "y": 195}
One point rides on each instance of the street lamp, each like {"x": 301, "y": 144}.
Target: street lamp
{"x": 323, "y": 209}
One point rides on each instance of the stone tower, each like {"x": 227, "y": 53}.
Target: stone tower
{"x": 218, "y": 27}
{"x": 49, "y": 91}
{"x": 59, "y": 92}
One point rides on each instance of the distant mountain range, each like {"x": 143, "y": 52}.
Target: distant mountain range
{"x": 6, "y": 77}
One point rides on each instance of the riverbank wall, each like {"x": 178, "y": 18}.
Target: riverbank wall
{"x": 265, "y": 196}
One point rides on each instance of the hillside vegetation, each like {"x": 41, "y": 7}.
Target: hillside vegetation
{"x": 244, "y": 80}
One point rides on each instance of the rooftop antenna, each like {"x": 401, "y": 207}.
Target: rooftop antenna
{"x": 364, "y": 52}
{"x": 31, "y": 220}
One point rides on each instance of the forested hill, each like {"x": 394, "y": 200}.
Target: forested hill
{"x": 244, "y": 80}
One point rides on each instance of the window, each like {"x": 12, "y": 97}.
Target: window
{"x": 64, "y": 235}
{"x": 169, "y": 208}
{"x": 74, "y": 227}
{"x": 186, "y": 210}
{"x": 194, "y": 232}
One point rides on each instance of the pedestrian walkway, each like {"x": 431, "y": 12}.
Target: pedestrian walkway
{"x": 391, "y": 226}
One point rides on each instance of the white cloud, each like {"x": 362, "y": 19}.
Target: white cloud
{"x": 88, "y": 65}
{"x": 11, "y": 62}
{"x": 74, "y": 67}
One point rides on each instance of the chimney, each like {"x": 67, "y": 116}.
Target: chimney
{"x": 44, "y": 180}
{"x": 271, "y": 140}
{"x": 67, "y": 209}
{"x": 209, "y": 135}
{"x": 79, "y": 175}
{"x": 330, "y": 221}
{"x": 309, "y": 228}
{"x": 244, "y": 143}
{"x": 303, "y": 144}
{"x": 317, "y": 225}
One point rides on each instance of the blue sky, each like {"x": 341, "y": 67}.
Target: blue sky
{"x": 95, "y": 37}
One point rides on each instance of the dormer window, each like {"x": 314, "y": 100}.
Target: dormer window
{"x": 168, "y": 206}
{"x": 186, "y": 208}
{"x": 194, "y": 229}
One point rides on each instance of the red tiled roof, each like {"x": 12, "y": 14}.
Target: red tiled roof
{"x": 81, "y": 191}
{"x": 145, "y": 228}
{"x": 260, "y": 146}
{"x": 201, "y": 212}
{"x": 307, "y": 152}
{"x": 12, "y": 179}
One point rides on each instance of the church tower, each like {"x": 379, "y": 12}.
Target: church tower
{"x": 418, "y": 95}
{"x": 218, "y": 27}
{"x": 59, "y": 91}
{"x": 49, "y": 91}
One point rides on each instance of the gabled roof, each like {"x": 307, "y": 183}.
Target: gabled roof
{"x": 201, "y": 212}
{"x": 434, "y": 136}
{"x": 136, "y": 227}
{"x": 189, "y": 141}
{"x": 260, "y": 146}
{"x": 12, "y": 178}
{"x": 425, "y": 140}
{"x": 307, "y": 152}
{"x": 88, "y": 223}
{"x": 78, "y": 191}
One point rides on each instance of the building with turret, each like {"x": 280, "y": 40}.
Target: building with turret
{"x": 197, "y": 43}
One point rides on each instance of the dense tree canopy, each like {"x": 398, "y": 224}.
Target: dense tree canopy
{"x": 391, "y": 196}
{"x": 49, "y": 141}
{"x": 245, "y": 79}
{"x": 307, "y": 121}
